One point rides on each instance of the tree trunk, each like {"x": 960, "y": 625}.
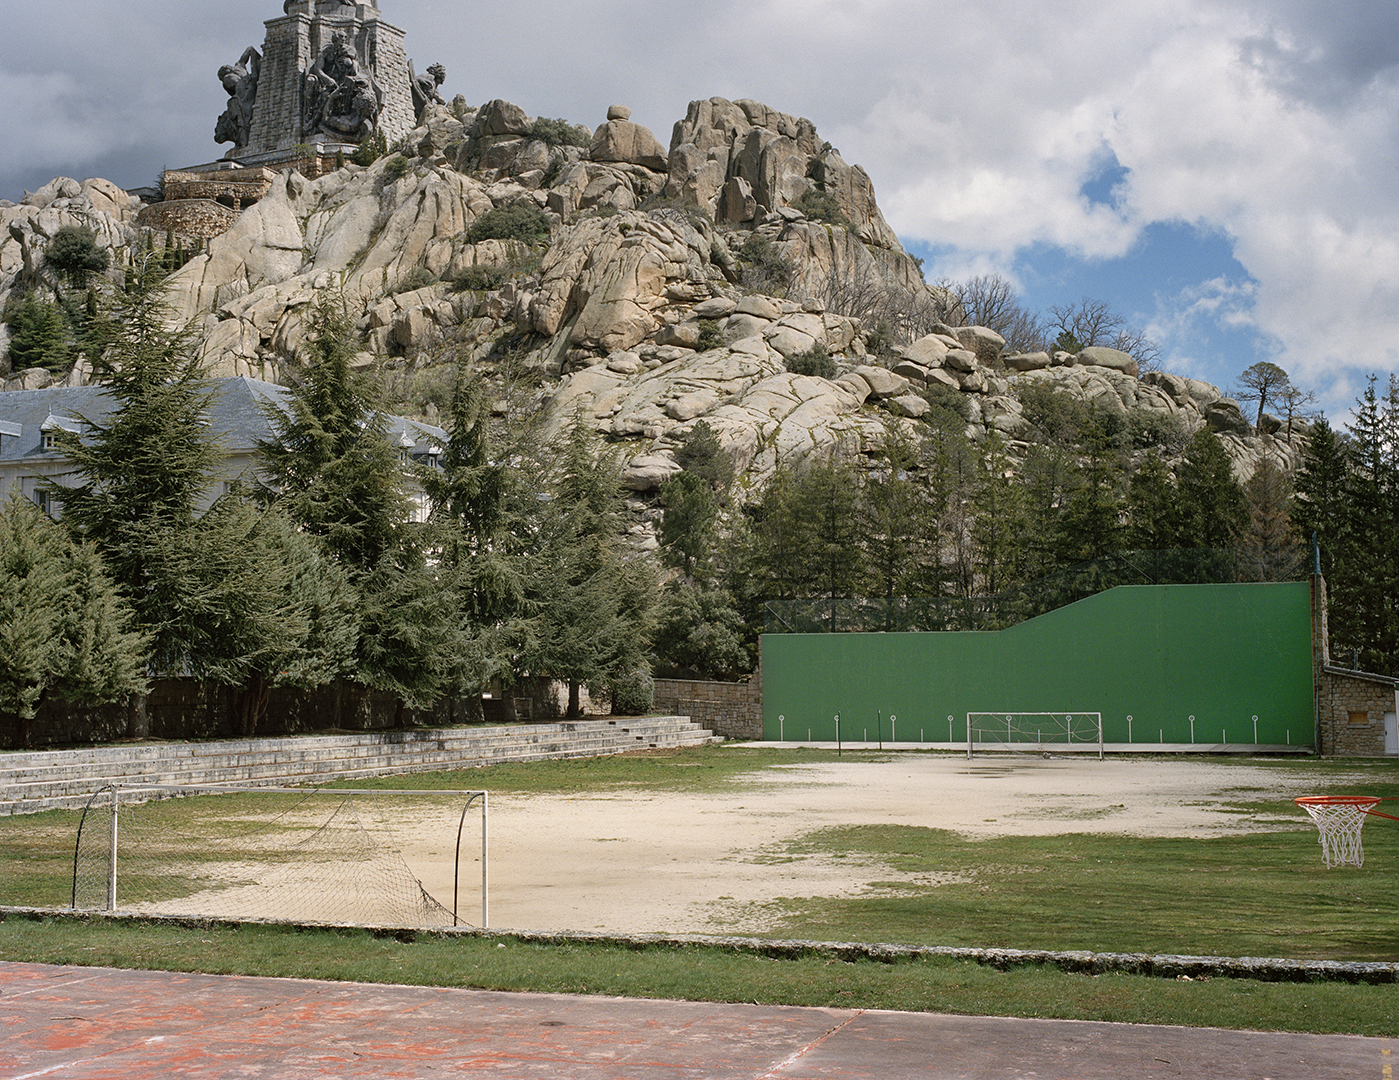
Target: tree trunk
{"x": 250, "y": 705}
{"x": 138, "y": 719}
{"x": 575, "y": 709}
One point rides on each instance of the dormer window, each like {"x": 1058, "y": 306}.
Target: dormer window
{"x": 49, "y": 431}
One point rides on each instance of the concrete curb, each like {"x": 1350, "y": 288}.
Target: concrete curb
{"x": 1151, "y": 965}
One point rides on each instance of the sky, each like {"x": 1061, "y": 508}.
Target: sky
{"x": 1224, "y": 173}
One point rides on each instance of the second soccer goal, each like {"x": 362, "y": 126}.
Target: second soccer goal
{"x": 1044, "y": 733}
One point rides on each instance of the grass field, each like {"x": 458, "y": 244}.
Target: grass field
{"x": 1259, "y": 890}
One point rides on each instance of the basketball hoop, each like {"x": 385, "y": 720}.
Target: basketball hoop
{"x": 1340, "y": 818}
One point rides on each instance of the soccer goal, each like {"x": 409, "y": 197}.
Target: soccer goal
{"x": 1044, "y": 733}
{"x": 321, "y": 855}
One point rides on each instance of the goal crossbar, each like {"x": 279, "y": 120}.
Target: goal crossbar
{"x": 1040, "y": 731}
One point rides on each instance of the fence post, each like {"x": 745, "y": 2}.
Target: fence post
{"x": 112, "y": 853}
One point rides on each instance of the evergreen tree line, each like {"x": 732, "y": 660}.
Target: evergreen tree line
{"x": 942, "y": 516}
{"x": 322, "y": 570}
{"x": 1348, "y": 499}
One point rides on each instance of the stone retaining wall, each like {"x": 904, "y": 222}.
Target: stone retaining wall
{"x": 733, "y": 710}
{"x": 200, "y": 219}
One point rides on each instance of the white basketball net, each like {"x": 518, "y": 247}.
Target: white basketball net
{"x": 1340, "y": 825}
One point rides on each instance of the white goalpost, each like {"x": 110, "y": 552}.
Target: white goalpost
{"x": 1044, "y": 733}
{"x": 374, "y": 857}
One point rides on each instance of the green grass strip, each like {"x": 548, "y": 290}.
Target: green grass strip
{"x": 701, "y": 973}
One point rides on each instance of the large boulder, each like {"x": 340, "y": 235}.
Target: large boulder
{"x": 1225, "y": 417}
{"x": 498, "y": 117}
{"x": 1114, "y": 359}
{"x": 985, "y": 344}
{"x": 632, "y": 144}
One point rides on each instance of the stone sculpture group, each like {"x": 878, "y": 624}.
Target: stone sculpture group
{"x": 341, "y": 99}
{"x": 358, "y": 83}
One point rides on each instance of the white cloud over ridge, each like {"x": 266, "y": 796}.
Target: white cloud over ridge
{"x": 1271, "y": 122}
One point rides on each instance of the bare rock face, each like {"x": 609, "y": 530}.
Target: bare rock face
{"x": 610, "y": 276}
{"x": 636, "y": 319}
{"x": 27, "y": 229}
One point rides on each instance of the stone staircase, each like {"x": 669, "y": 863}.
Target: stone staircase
{"x": 64, "y": 779}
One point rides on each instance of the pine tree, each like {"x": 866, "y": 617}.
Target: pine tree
{"x": 330, "y": 466}
{"x": 1152, "y": 510}
{"x": 1269, "y": 548}
{"x": 1211, "y": 503}
{"x": 899, "y": 533}
{"x": 700, "y": 631}
{"x": 1091, "y": 524}
{"x": 145, "y": 471}
{"x": 479, "y": 530}
{"x": 38, "y": 335}
{"x": 687, "y": 527}
{"x": 65, "y": 632}
{"x": 75, "y": 254}
{"x": 332, "y": 470}
{"x": 1369, "y": 629}
{"x": 999, "y": 526}
{"x": 592, "y": 602}
{"x": 1323, "y": 515}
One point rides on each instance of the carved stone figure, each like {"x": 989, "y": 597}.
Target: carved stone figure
{"x": 424, "y": 87}
{"x": 342, "y": 100}
{"x": 240, "y": 80}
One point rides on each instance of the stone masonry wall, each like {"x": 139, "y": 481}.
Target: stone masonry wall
{"x": 384, "y": 47}
{"x": 200, "y": 219}
{"x": 732, "y": 710}
{"x": 1342, "y": 693}
{"x": 286, "y": 54}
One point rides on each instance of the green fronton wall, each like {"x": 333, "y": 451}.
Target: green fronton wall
{"x": 1157, "y": 653}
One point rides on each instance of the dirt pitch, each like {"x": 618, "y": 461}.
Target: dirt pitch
{"x": 662, "y": 862}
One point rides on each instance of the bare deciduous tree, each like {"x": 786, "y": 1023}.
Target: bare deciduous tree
{"x": 902, "y": 314}
{"x": 1087, "y": 321}
{"x": 1090, "y": 322}
{"x": 1296, "y": 404}
{"x": 990, "y": 300}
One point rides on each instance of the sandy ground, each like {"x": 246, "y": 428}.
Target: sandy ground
{"x": 670, "y": 863}
{"x": 663, "y": 862}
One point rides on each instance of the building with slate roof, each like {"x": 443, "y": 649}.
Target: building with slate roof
{"x": 30, "y": 421}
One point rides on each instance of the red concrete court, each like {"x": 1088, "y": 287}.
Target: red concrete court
{"x": 89, "y": 1023}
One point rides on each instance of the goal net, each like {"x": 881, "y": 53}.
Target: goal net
{"x": 1043, "y": 733}
{"x": 322, "y": 855}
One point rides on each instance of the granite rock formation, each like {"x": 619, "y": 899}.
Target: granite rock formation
{"x": 664, "y": 288}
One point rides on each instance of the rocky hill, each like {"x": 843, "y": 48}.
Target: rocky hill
{"x": 608, "y": 278}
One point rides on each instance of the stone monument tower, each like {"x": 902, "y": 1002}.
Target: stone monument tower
{"x": 330, "y": 75}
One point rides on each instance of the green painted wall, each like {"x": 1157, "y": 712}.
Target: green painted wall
{"x": 1159, "y": 653}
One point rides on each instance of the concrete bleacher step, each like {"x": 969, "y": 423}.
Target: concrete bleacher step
{"x": 65, "y": 779}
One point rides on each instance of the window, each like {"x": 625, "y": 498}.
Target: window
{"x": 41, "y": 499}
{"x": 1359, "y": 718}
{"x": 48, "y": 440}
